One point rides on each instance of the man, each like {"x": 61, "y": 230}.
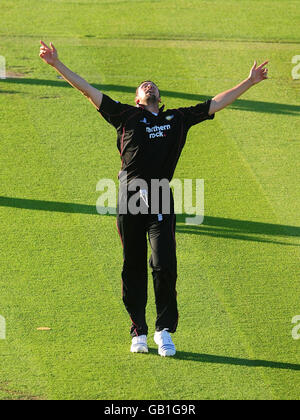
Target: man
{"x": 150, "y": 141}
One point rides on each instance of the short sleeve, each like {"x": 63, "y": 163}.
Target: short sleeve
{"x": 196, "y": 114}
{"x": 113, "y": 112}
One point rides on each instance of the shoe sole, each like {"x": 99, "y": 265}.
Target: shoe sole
{"x": 169, "y": 353}
{"x": 141, "y": 349}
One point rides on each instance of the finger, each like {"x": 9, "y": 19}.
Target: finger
{"x": 52, "y": 46}
{"x": 263, "y": 64}
{"x": 254, "y": 65}
{"x": 46, "y": 46}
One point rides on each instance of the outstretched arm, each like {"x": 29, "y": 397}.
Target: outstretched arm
{"x": 257, "y": 74}
{"x": 50, "y": 56}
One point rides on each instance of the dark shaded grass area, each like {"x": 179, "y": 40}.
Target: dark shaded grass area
{"x": 240, "y": 104}
{"x": 212, "y": 226}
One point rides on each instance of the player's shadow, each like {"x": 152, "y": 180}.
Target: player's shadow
{"x": 240, "y": 104}
{"x": 216, "y": 227}
{"x": 226, "y": 360}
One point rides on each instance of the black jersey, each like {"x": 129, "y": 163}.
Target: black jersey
{"x": 150, "y": 145}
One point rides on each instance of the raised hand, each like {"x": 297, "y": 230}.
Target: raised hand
{"x": 257, "y": 74}
{"x": 48, "y": 55}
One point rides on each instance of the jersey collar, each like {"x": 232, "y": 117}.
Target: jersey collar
{"x": 161, "y": 109}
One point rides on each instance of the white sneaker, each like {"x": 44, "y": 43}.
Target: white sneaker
{"x": 165, "y": 344}
{"x": 139, "y": 344}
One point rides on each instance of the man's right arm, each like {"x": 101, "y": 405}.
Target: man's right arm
{"x": 50, "y": 56}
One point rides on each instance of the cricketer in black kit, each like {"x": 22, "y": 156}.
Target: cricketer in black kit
{"x": 150, "y": 141}
{"x": 150, "y": 145}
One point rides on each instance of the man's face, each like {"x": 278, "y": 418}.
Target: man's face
{"x": 148, "y": 93}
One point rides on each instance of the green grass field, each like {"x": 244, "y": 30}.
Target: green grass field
{"x": 238, "y": 285}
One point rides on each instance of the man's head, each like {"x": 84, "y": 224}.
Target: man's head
{"x": 147, "y": 94}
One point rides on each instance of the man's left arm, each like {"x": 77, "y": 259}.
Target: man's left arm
{"x": 221, "y": 101}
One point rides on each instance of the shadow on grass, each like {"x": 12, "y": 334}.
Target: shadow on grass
{"x": 240, "y": 104}
{"x": 9, "y": 92}
{"x": 220, "y": 227}
{"x": 55, "y": 206}
{"x": 217, "y": 227}
{"x": 225, "y": 360}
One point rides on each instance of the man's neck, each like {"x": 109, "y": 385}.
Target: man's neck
{"x": 154, "y": 108}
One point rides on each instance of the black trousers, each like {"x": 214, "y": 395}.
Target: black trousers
{"x": 133, "y": 230}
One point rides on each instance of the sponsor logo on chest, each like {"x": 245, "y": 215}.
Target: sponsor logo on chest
{"x": 158, "y": 131}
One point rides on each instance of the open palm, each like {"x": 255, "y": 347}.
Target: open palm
{"x": 257, "y": 74}
{"x": 49, "y": 55}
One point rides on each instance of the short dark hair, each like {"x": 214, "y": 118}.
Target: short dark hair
{"x": 145, "y": 81}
